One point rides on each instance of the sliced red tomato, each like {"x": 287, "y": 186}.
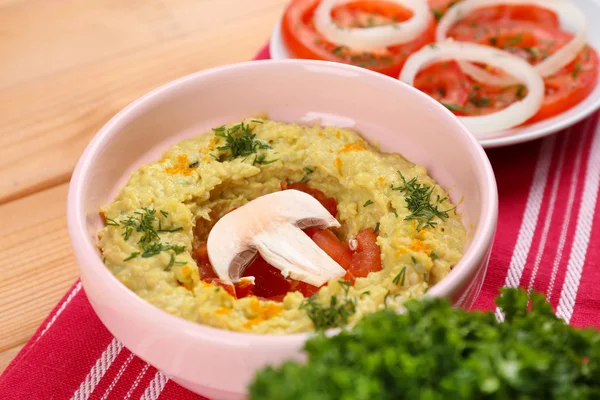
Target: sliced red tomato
{"x": 268, "y": 281}
{"x": 326, "y": 240}
{"x": 244, "y": 289}
{"x": 205, "y": 269}
{"x": 541, "y": 17}
{"x": 439, "y": 7}
{"x": 445, "y": 82}
{"x": 367, "y": 257}
{"x": 569, "y": 86}
{"x": 303, "y": 41}
{"x": 328, "y": 202}
{"x": 532, "y": 42}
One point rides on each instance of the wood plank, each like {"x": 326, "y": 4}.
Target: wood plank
{"x": 104, "y": 54}
{"x": 37, "y": 266}
{"x": 7, "y": 356}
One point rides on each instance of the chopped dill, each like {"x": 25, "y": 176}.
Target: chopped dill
{"x": 240, "y": 141}
{"x": 333, "y": 315}
{"x": 368, "y": 203}
{"x": 132, "y": 256}
{"x": 260, "y": 160}
{"x": 399, "y": 279}
{"x": 418, "y": 202}
{"x": 307, "y": 172}
{"x": 145, "y": 222}
{"x": 433, "y": 255}
{"x": 376, "y": 228}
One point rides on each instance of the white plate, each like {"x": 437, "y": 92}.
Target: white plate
{"x": 591, "y": 9}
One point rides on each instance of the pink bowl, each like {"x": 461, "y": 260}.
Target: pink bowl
{"x": 218, "y": 363}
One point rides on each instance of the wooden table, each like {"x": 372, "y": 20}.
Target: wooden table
{"x": 66, "y": 67}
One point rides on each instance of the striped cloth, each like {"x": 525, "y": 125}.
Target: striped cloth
{"x": 547, "y": 240}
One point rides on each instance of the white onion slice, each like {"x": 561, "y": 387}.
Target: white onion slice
{"x": 374, "y": 38}
{"x": 565, "y": 10}
{"x": 514, "y": 114}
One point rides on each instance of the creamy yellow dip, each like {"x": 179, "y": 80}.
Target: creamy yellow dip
{"x": 195, "y": 183}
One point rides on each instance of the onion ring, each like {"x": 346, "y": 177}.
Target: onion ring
{"x": 513, "y": 115}
{"x": 549, "y": 66}
{"x": 374, "y": 38}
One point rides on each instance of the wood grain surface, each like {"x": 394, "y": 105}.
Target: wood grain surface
{"x": 67, "y": 67}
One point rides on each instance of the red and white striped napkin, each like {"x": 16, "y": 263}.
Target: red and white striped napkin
{"x": 548, "y": 236}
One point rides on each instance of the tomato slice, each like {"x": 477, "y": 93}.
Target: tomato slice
{"x": 367, "y": 257}
{"x": 268, "y": 281}
{"x": 532, "y": 42}
{"x": 303, "y": 41}
{"x": 326, "y": 240}
{"x": 328, "y": 202}
{"x": 481, "y": 18}
{"x": 569, "y": 86}
{"x": 445, "y": 82}
{"x": 205, "y": 269}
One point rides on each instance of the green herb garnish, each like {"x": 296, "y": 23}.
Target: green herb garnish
{"x": 399, "y": 279}
{"x": 194, "y": 164}
{"x": 433, "y": 255}
{"x": 493, "y": 41}
{"x": 333, "y": 315}
{"x": 376, "y": 228}
{"x": 111, "y": 222}
{"x": 434, "y": 351}
{"x": 171, "y": 262}
{"x": 515, "y": 40}
{"x": 368, "y": 203}
{"x": 260, "y": 160}
{"x": 240, "y": 141}
{"x": 132, "y": 256}
{"x": 437, "y": 14}
{"x": 418, "y": 202}
{"x": 521, "y": 91}
{"x": 479, "y": 101}
{"x": 307, "y": 172}
{"x": 145, "y": 222}
{"x": 453, "y": 107}
{"x": 576, "y": 70}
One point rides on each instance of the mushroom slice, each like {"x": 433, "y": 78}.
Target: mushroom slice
{"x": 272, "y": 226}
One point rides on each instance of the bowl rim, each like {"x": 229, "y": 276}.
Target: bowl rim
{"x": 481, "y": 243}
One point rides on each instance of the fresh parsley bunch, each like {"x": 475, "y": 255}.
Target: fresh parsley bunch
{"x": 436, "y": 352}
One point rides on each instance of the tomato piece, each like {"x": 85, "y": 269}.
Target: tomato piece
{"x": 229, "y": 287}
{"x": 278, "y": 298}
{"x": 303, "y": 41}
{"x": 244, "y": 289}
{"x": 205, "y": 269}
{"x": 532, "y": 42}
{"x": 445, "y": 82}
{"x": 367, "y": 257}
{"x": 541, "y": 17}
{"x": 569, "y": 86}
{"x": 337, "y": 250}
{"x": 326, "y": 240}
{"x": 328, "y": 202}
{"x": 268, "y": 281}
{"x": 527, "y": 40}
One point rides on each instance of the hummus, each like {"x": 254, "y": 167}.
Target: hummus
{"x": 169, "y": 206}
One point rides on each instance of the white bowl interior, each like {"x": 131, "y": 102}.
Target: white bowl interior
{"x": 397, "y": 117}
